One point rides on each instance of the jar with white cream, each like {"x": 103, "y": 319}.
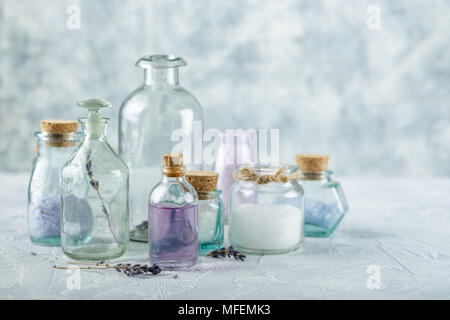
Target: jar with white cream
{"x": 266, "y": 210}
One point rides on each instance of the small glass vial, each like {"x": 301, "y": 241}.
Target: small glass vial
{"x": 57, "y": 140}
{"x": 266, "y": 210}
{"x": 172, "y": 217}
{"x": 210, "y": 210}
{"x": 94, "y": 188}
{"x": 148, "y": 118}
{"x": 325, "y": 203}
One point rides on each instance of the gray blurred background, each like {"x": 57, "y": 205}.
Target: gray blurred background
{"x": 376, "y": 100}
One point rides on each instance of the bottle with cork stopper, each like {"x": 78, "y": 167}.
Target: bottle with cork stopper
{"x": 172, "y": 217}
{"x": 325, "y": 203}
{"x": 210, "y": 210}
{"x": 94, "y": 188}
{"x": 56, "y": 141}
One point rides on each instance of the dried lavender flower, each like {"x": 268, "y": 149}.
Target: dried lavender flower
{"x": 95, "y": 185}
{"x": 227, "y": 252}
{"x": 136, "y": 269}
{"x": 126, "y": 268}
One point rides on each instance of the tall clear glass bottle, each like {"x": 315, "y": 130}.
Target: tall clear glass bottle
{"x": 172, "y": 217}
{"x": 148, "y": 119}
{"x": 56, "y": 142}
{"x": 94, "y": 189}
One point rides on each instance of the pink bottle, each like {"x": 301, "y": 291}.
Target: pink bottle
{"x": 235, "y": 150}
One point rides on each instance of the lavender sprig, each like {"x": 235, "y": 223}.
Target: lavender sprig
{"x": 95, "y": 185}
{"x": 124, "y": 268}
{"x": 227, "y": 252}
{"x": 136, "y": 269}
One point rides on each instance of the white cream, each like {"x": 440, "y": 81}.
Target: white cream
{"x": 266, "y": 227}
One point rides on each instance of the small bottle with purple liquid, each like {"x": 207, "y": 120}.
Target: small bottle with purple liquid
{"x": 172, "y": 218}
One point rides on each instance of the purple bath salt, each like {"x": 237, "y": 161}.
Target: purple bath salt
{"x": 321, "y": 214}
{"x": 78, "y": 217}
{"x": 44, "y": 216}
{"x": 173, "y": 236}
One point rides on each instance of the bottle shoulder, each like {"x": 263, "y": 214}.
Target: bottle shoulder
{"x": 173, "y": 194}
{"x": 148, "y": 97}
{"x": 101, "y": 155}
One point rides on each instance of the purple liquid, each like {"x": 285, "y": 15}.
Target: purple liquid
{"x": 173, "y": 236}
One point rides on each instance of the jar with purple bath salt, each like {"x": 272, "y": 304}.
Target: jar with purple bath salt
{"x": 325, "y": 203}
{"x": 57, "y": 140}
{"x": 172, "y": 218}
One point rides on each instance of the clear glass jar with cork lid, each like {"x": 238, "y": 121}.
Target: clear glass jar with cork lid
{"x": 325, "y": 203}
{"x": 266, "y": 210}
{"x": 94, "y": 188}
{"x": 172, "y": 217}
{"x": 57, "y": 140}
{"x": 211, "y": 215}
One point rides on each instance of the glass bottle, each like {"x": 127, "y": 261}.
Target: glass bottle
{"x": 325, "y": 203}
{"x": 157, "y": 110}
{"x": 172, "y": 217}
{"x": 210, "y": 210}
{"x": 266, "y": 210}
{"x": 57, "y": 140}
{"x": 94, "y": 187}
{"x": 230, "y": 153}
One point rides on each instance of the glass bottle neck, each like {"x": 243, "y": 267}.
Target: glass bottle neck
{"x": 167, "y": 179}
{"x": 94, "y": 134}
{"x": 316, "y": 176}
{"x": 211, "y": 195}
{"x": 155, "y": 77}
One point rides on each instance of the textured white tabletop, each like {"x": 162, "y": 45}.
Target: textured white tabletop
{"x": 397, "y": 230}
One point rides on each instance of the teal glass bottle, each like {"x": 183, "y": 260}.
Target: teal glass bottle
{"x": 211, "y": 215}
{"x": 325, "y": 202}
{"x": 94, "y": 190}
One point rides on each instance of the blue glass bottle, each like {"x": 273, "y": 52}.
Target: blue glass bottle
{"x": 211, "y": 215}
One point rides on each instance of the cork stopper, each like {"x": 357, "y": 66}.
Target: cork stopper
{"x": 59, "y": 126}
{"x": 173, "y": 164}
{"x": 203, "y": 181}
{"x": 58, "y": 130}
{"x": 312, "y": 162}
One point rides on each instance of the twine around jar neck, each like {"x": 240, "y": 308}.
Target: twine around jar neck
{"x": 280, "y": 176}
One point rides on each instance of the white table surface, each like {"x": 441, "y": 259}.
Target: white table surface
{"x": 399, "y": 226}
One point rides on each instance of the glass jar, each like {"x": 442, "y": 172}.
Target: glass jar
{"x": 325, "y": 203}
{"x": 172, "y": 217}
{"x": 56, "y": 142}
{"x": 151, "y": 121}
{"x": 94, "y": 187}
{"x": 210, "y": 210}
{"x": 266, "y": 210}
